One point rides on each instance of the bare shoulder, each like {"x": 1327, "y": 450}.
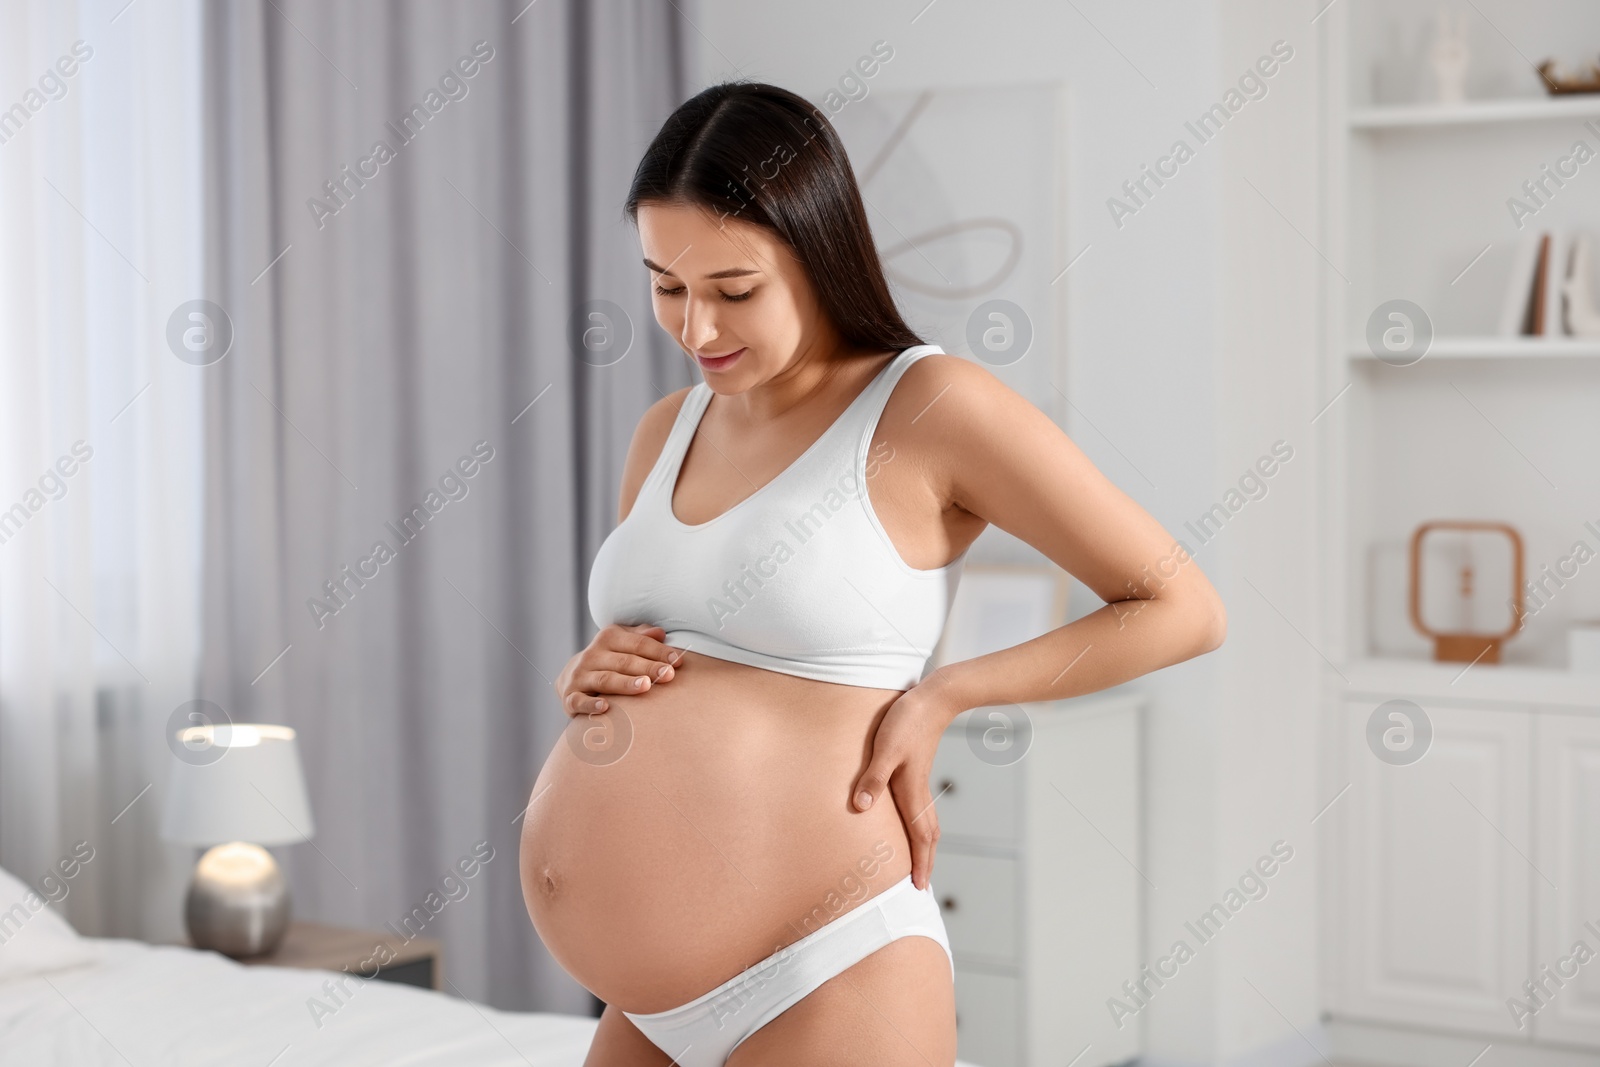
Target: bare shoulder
{"x": 945, "y": 401}
{"x": 649, "y": 438}
{"x": 970, "y": 430}
{"x": 953, "y": 413}
{"x": 939, "y": 374}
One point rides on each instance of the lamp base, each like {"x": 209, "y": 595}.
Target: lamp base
{"x": 238, "y": 901}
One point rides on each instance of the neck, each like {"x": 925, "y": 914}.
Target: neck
{"x": 822, "y": 369}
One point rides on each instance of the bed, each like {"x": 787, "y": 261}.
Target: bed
{"x": 72, "y": 1001}
{"x": 139, "y": 1004}
{"x": 85, "y": 1001}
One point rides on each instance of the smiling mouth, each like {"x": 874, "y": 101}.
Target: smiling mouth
{"x": 719, "y": 362}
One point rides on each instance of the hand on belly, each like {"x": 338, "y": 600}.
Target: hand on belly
{"x": 721, "y": 831}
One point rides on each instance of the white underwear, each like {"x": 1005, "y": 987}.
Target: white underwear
{"x": 705, "y": 1031}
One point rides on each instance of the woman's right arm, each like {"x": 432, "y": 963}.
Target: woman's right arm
{"x": 626, "y": 659}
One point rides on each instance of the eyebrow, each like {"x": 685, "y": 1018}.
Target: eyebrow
{"x": 731, "y": 272}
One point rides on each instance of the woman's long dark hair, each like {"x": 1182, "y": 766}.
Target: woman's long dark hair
{"x": 755, "y": 152}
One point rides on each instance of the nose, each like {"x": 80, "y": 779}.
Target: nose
{"x": 699, "y": 325}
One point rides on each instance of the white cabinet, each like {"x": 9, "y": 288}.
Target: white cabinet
{"x": 1036, "y": 876}
{"x": 979, "y": 898}
{"x": 1460, "y": 878}
{"x": 988, "y": 1017}
{"x": 1436, "y": 872}
{"x": 1567, "y": 852}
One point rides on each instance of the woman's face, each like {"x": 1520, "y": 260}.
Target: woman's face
{"x": 725, "y": 287}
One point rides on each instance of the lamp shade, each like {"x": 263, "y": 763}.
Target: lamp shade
{"x": 236, "y": 782}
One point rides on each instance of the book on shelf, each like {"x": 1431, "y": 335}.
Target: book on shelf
{"x": 1560, "y": 256}
{"x": 1524, "y": 266}
{"x": 1533, "y": 319}
{"x": 1536, "y": 301}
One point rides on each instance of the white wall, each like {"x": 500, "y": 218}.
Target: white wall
{"x": 1271, "y": 272}
{"x": 1189, "y": 347}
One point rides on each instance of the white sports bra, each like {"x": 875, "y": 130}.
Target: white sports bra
{"x": 799, "y": 577}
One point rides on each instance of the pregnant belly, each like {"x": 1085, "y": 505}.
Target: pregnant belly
{"x": 695, "y": 829}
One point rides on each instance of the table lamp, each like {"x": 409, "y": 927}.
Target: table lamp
{"x": 1459, "y": 580}
{"x": 234, "y": 788}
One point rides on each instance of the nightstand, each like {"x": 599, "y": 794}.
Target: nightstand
{"x": 1038, "y": 879}
{"x": 315, "y": 946}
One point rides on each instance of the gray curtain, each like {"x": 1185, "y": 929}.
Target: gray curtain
{"x": 402, "y": 315}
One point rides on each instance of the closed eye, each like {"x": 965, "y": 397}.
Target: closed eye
{"x": 732, "y": 298}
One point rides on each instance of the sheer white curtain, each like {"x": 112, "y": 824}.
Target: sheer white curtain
{"x": 100, "y": 444}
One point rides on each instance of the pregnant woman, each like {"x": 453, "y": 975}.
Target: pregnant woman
{"x": 732, "y": 844}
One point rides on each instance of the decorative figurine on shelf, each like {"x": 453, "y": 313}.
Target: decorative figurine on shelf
{"x": 1449, "y": 57}
{"x": 1583, "y": 318}
{"x": 1557, "y": 82}
{"x": 1459, "y": 640}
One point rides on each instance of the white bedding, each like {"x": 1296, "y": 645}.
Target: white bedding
{"x": 161, "y": 1006}
{"x": 71, "y": 1001}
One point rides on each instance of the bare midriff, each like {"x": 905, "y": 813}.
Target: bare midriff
{"x": 695, "y": 829}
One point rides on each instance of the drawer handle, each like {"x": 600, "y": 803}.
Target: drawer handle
{"x": 948, "y": 903}
{"x": 946, "y": 785}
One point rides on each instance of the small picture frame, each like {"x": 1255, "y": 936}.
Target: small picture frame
{"x": 1000, "y": 605}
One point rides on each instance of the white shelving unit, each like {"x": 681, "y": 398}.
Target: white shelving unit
{"x": 1415, "y": 191}
{"x": 1506, "y": 348}
{"x": 1438, "y": 879}
{"x": 1531, "y": 109}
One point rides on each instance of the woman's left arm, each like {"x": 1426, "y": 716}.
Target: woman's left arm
{"x": 992, "y": 453}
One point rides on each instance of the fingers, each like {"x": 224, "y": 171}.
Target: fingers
{"x": 599, "y": 682}
{"x": 587, "y": 696}
{"x": 624, "y": 660}
{"x": 922, "y": 823}
{"x": 647, "y": 642}
{"x": 620, "y": 672}
{"x": 626, "y": 664}
{"x": 914, "y": 802}
{"x": 644, "y": 628}
{"x": 580, "y": 703}
{"x": 871, "y": 782}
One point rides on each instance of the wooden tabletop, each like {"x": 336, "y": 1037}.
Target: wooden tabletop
{"x": 335, "y": 948}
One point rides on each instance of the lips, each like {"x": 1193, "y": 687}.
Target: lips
{"x": 720, "y": 362}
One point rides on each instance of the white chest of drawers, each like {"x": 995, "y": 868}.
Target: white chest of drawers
{"x": 1038, "y": 876}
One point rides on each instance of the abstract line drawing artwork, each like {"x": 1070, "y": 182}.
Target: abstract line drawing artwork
{"x": 964, "y": 188}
